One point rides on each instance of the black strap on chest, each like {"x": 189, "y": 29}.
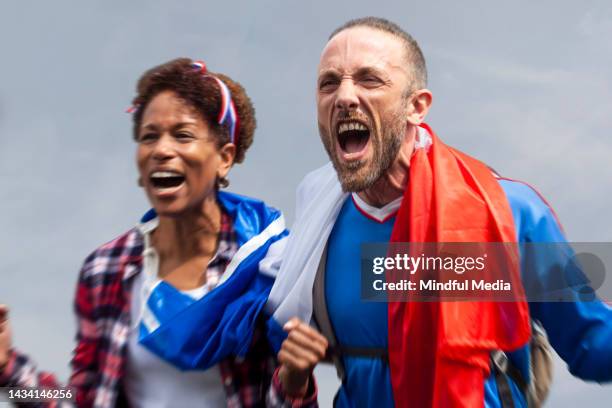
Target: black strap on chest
{"x": 504, "y": 370}
{"x": 335, "y": 352}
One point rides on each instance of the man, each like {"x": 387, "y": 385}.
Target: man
{"x": 394, "y": 180}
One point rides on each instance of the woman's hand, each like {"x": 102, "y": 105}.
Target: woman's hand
{"x": 5, "y": 337}
{"x": 299, "y": 354}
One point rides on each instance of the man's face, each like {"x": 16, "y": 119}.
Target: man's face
{"x": 361, "y": 103}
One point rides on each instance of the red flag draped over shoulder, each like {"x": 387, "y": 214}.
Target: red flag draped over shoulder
{"x": 439, "y": 351}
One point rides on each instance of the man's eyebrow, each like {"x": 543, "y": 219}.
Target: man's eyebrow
{"x": 332, "y": 73}
{"x": 327, "y": 73}
{"x": 369, "y": 71}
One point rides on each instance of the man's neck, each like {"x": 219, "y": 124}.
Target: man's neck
{"x": 392, "y": 184}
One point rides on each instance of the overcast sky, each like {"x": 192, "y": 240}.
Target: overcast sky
{"x": 525, "y": 86}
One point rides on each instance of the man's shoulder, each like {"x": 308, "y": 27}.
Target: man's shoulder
{"x": 530, "y": 209}
{"x": 523, "y": 196}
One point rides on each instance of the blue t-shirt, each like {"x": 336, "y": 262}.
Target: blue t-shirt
{"x": 357, "y": 323}
{"x": 580, "y": 332}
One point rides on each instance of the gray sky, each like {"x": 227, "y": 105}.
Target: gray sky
{"x": 525, "y": 86}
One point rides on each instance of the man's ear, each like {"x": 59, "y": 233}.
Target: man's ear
{"x": 418, "y": 106}
{"x": 227, "y": 153}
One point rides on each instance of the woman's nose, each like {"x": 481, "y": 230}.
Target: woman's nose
{"x": 164, "y": 148}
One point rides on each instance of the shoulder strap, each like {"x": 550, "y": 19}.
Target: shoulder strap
{"x": 541, "y": 367}
{"x": 335, "y": 350}
{"x": 502, "y": 369}
{"x": 322, "y": 317}
{"x": 499, "y": 363}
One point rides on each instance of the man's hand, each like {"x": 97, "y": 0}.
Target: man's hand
{"x": 299, "y": 354}
{"x": 5, "y": 337}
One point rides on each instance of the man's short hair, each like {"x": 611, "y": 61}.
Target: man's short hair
{"x": 414, "y": 55}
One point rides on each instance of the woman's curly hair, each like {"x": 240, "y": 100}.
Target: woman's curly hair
{"x": 202, "y": 93}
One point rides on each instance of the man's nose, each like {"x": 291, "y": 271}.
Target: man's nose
{"x": 347, "y": 95}
{"x": 164, "y": 148}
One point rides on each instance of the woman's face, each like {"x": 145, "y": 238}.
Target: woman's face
{"x": 178, "y": 159}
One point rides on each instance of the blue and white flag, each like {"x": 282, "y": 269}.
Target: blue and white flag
{"x": 197, "y": 333}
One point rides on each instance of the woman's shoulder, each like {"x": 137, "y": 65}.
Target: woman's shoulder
{"x": 229, "y": 200}
{"x": 115, "y": 256}
{"x": 241, "y": 208}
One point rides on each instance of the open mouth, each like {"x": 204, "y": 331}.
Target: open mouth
{"x": 353, "y": 136}
{"x": 162, "y": 180}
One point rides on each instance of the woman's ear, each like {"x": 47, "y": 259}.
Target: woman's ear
{"x": 418, "y": 106}
{"x": 227, "y": 152}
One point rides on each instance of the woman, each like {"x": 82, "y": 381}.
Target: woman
{"x": 190, "y": 267}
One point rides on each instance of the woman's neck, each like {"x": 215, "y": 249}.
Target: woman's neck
{"x": 191, "y": 234}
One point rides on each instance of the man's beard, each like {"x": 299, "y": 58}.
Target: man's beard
{"x": 359, "y": 175}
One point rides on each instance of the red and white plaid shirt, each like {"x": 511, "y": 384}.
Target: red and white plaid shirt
{"x": 102, "y": 306}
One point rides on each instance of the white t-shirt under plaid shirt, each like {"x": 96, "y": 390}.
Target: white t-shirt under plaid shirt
{"x": 151, "y": 381}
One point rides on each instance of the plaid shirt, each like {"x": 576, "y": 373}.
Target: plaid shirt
{"x": 102, "y": 306}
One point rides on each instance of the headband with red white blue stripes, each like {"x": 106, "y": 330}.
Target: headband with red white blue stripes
{"x": 227, "y": 114}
